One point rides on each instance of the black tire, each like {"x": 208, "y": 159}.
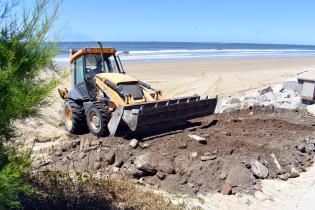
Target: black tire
{"x": 74, "y": 117}
{"x": 97, "y": 118}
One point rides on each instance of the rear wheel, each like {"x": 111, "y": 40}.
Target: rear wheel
{"x": 74, "y": 117}
{"x": 97, "y": 119}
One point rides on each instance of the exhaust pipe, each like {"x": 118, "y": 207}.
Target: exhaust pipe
{"x": 101, "y": 48}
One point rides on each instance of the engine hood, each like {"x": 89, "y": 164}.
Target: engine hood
{"x": 117, "y": 78}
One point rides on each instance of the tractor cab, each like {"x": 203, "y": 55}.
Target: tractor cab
{"x": 87, "y": 63}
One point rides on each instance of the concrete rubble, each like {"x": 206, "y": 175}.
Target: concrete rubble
{"x": 285, "y": 96}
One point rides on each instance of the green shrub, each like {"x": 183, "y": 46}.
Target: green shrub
{"x": 11, "y": 183}
{"x": 24, "y": 55}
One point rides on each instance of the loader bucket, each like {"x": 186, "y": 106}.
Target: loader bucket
{"x": 148, "y": 116}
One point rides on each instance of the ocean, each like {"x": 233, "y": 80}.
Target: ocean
{"x": 170, "y": 51}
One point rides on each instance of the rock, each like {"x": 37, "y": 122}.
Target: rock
{"x": 301, "y": 148}
{"x": 160, "y": 175}
{"x": 146, "y": 162}
{"x": 182, "y": 146}
{"x": 135, "y": 173}
{"x": 258, "y": 169}
{"x": 66, "y": 147}
{"x": 193, "y": 155}
{"x": 281, "y": 171}
{"x": 97, "y": 165}
{"x": 200, "y": 139}
{"x": 226, "y": 189}
{"x": 267, "y": 99}
{"x": 264, "y": 162}
{"x": 166, "y": 166}
{"x": 119, "y": 163}
{"x": 294, "y": 173}
{"x": 115, "y": 169}
{"x": 265, "y": 90}
{"x": 284, "y": 177}
{"x": 134, "y": 143}
{"x": 233, "y": 100}
{"x": 222, "y": 176}
{"x": 207, "y": 157}
{"x": 110, "y": 157}
{"x": 81, "y": 155}
{"x": 239, "y": 175}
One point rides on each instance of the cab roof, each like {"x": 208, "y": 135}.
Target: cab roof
{"x": 76, "y": 53}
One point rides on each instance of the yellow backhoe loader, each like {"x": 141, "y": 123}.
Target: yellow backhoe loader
{"x": 105, "y": 100}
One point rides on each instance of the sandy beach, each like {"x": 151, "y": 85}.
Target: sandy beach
{"x": 222, "y": 77}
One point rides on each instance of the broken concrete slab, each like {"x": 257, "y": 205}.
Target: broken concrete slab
{"x": 134, "y": 143}
{"x": 199, "y": 139}
{"x": 291, "y": 84}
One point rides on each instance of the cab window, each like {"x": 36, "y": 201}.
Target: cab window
{"x": 79, "y": 78}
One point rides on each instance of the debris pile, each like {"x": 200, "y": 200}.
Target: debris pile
{"x": 228, "y": 153}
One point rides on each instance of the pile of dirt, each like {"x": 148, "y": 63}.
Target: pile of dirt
{"x": 230, "y": 153}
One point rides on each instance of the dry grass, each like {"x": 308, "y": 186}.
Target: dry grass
{"x": 59, "y": 190}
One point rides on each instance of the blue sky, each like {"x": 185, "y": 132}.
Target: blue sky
{"x": 250, "y": 21}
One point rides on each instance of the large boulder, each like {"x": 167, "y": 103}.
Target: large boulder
{"x": 152, "y": 162}
{"x": 146, "y": 162}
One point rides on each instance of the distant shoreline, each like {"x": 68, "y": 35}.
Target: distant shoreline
{"x": 173, "y": 51}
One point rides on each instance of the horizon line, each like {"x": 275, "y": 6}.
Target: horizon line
{"x": 204, "y": 42}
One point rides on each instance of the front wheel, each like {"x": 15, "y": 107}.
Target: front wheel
{"x": 74, "y": 117}
{"x": 97, "y": 119}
